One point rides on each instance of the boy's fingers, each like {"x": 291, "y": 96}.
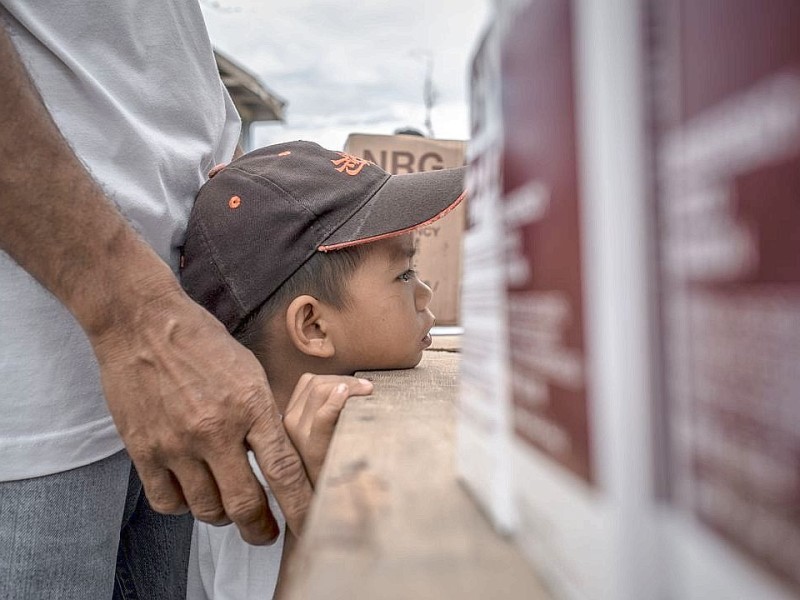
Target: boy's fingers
{"x": 300, "y": 389}
{"x": 333, "y": 388}
{"x": 361, "y": 387}
{"x": 335, "y": 403}
{"x": 328, "y": 414}
{"x": 312, "y": 391}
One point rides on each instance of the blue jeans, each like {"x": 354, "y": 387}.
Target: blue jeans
{"x": 89, "y": 534}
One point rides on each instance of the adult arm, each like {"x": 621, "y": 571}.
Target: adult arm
{"x": 185, "y": 397}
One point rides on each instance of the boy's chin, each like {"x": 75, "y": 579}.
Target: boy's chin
{"x": 413, "y": 362}
{"x": 387, "y": 364}
{"x": 396, "y": 366}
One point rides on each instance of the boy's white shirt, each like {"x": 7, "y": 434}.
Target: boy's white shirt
{"x": 222, "y": 566}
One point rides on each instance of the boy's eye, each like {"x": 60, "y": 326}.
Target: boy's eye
{"x": 408, "y": 275}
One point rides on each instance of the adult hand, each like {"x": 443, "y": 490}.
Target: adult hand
{"x": 312, "y": 413}
{"x": 188, "y": 402}
{"x": 186, "y": 398}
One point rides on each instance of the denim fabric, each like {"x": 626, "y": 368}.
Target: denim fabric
{"x": 89, "y": 533}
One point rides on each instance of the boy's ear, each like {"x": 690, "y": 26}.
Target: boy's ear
{"x": 308, "y": 327}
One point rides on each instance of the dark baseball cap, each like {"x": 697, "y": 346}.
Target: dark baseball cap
{"x": 260, "y": 218}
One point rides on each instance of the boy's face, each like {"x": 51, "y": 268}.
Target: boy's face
{"x": 387, "y": 323}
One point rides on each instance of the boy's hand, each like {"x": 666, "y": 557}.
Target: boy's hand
{"x": 312, "y": 413}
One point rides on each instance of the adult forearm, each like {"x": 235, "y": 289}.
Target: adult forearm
{"x": 186, "y": 398}
{"x": 56, "y": 221}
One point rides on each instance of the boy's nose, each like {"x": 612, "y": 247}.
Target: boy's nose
{"x": 423, "y": 295}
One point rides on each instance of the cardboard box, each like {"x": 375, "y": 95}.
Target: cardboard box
{"x": 439, "y": 256}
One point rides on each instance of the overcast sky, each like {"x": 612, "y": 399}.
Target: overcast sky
{"x": 347, "y": 67}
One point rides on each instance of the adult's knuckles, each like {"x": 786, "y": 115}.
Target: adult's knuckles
{"x": 255, "y": 403}
{"x": 204, "y": 501}
{"x": 215, "y": 515}
{"x": 283, "y": 470}
{"x": 249, "y": 393}
{"x": 206, "y": 427}
{"x": 245, "y": 510}
{"x": 166, "y": 503}
{"x": 149, "y": 453}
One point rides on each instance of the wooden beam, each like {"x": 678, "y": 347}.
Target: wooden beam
{"x": 390, "y": 519}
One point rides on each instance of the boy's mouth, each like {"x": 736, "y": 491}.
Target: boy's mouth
{"x": 427, "y": 341}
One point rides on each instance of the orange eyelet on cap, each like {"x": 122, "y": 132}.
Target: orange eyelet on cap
{"x": 234, "y": 202}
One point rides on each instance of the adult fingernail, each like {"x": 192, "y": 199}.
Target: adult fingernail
{"x": 365, "y": 381}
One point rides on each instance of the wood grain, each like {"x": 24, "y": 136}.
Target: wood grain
{"x": 390, "y": 520}
{"x": 446, "y": 343}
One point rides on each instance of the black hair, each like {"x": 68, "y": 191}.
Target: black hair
{"x": 324, "y": 276}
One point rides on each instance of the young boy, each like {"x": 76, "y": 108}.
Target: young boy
{"x": 305, "y": 255}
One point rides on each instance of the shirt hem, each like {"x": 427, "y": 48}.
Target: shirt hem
{"x": 40, "y": 455}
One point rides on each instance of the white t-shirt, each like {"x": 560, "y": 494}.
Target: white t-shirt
{"x": 222, "y": 566}
{"x": 134, "y": 89}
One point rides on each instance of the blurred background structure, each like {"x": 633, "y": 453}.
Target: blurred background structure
{"x": 629, "y": 289}
{"x": 254, "y": 101}
{"x": 635, "y": 179}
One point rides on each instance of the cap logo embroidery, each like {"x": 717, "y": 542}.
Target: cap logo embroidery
{"x": 234, "y": 202}
{"x": 350, "y": 164}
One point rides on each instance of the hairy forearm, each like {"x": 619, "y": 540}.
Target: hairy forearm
{"x": 56, "y": 221}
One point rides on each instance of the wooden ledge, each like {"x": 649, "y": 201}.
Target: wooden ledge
{"x": 390, "y": 520}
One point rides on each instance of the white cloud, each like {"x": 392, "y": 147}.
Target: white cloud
{"x": 352, "y": 67}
